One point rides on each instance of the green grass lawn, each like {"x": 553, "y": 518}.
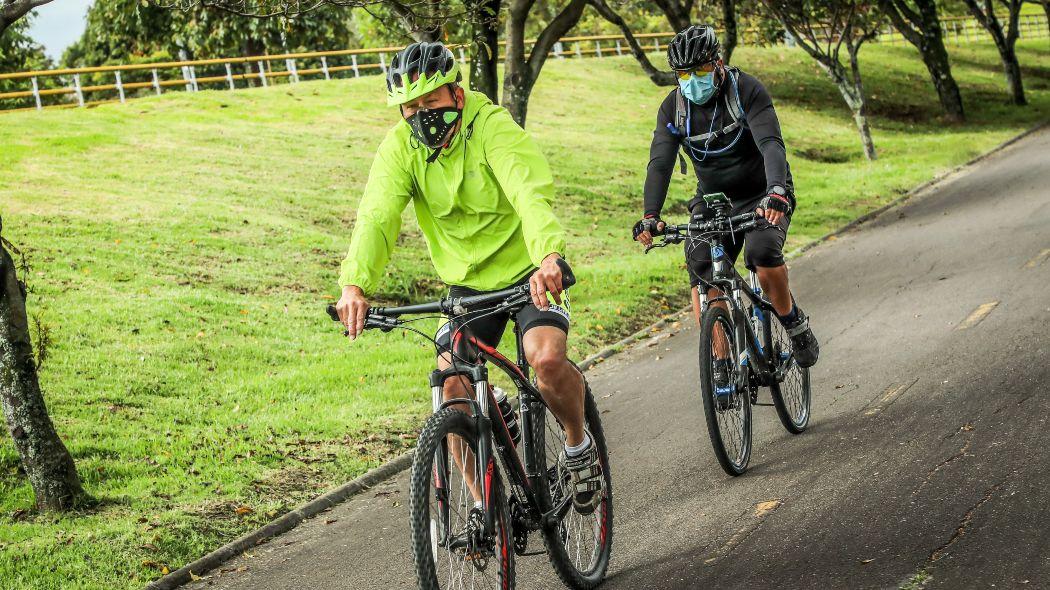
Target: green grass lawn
{"x": 183, "y": 248}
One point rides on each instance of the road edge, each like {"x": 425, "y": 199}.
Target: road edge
{"x": 282, "y": 524}
{"x": 870, "y": 215}
{"x": 379, "y": 474}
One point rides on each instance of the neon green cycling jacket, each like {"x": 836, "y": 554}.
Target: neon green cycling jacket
{"x": 484, "y": 204}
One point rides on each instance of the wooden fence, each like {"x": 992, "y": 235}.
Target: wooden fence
{"x": 82, "y": 87}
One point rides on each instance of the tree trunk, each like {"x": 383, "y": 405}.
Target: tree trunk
{"x": 944, "y": 83}
{"x": 1012, "y": 69}
{"x": 45, "y": 459}
{"x": 859, "y": 104}
{"x": 1004, "y": 42}
{"x": 853, "y": 93}
{"x": 677, "y": 14}
{"x": 519, "y": 73}
{"x": 922, "y": 28}
{"x": 658, "y": 77}
{"x": 517, "y": 78}
{"x": 729, "y": 22}
{"x": 484, "y": 48}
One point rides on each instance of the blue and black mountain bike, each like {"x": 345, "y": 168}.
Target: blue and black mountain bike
{"x": 741, "y": 349}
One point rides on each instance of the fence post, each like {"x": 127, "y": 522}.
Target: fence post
{"x": 324, "y": 68}
{"x": 76, "y": 88}
{"x": 597, "y": 49}
{"x": 120, "y": 86}
{"x": 462, "y": 56}
{"x": 579, "y": 53}
{"x": 382, "y": 62}
{"x": 193, "y": 78}
{"x": 229, "y": 75}
{"x": 558, "y": 50}
{"x": 656, "y": 45}
{"x": 353, "y": 64}
{"x": 156, "y": 81}
{"x": 619, "y": 50}
{"x": 36, "y": 94}
{"x": 290, "y": 65}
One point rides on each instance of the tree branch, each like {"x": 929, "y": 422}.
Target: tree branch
{"x": 660, "y": 78}
{"x": 558, "y": 27}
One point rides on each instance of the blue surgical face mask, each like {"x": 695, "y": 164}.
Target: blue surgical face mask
{"x": 698, "y": 89}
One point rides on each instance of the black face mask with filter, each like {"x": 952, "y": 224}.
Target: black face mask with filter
{"x": 432, "y": 127}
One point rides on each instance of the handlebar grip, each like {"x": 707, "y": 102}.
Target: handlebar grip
{"x": 568, "y": 279}
{"x": 332, "y": 313}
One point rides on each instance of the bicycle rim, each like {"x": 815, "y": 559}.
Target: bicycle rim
{"x": 729, "y": 414}
{"x": 791, "y": 397}
{"x": 449, "y": 551}
{"x": 581, "y": 545}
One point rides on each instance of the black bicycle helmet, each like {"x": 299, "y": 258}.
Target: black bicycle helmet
{"x": 418, "y": 69}
{"x": 694, "y": 46}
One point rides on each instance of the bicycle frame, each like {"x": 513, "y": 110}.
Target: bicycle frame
{"x": 727, "y": 279}
{"x": 523, "y": 476}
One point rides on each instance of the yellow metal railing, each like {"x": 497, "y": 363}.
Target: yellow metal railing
{"x": 72, "y": 91}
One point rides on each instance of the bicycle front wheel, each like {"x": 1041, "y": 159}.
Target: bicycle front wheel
{"x": 727, "y": 406}
{"x": 450, "y": 545}
{"x": 791, "y": 396}
{"x": 580, "y": 545}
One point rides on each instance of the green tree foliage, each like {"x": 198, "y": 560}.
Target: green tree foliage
{"x": 123, "y": 31}
{"x": 19, "y": 53}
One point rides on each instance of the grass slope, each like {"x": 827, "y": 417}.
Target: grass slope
{"x": 182, "y": 249}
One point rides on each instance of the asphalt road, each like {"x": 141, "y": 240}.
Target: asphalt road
{"x": 925, "y": 462}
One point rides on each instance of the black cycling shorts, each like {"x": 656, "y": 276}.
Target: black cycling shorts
{"x": 763, "y": 246}
{"x": 488, "y": 327}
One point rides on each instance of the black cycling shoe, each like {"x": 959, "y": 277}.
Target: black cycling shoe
{"x": 588, "y": 483}
{"x": 803, "y": 342}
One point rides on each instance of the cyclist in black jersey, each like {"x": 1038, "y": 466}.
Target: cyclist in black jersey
{"x": 723, "y": 121}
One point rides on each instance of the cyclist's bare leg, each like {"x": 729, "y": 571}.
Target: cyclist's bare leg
{"x": 774, "y": 281}
{"x": 559, "y": 381}
{"x": 459, "y": 387}
{"x": 719, "y": 338}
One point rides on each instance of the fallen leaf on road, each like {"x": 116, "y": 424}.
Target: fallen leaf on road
{"x": 867, "y": 561}
{"x": 242, "y": 510}
{"x": 331, "y": 521}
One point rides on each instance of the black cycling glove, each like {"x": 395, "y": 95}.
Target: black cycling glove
{"x": 649, "y": 224}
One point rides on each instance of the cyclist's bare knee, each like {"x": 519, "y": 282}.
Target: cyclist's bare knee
{"x": 455, "y": 386}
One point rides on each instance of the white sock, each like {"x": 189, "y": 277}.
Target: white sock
{"x": 577, "y": 450}
{"x": 479, "y": 504}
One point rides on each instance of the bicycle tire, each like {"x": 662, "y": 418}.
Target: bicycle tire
{"x": 793, "y": 406}
{"x": 425, "y": 552}
{"x": 738, "y": 401}
{"x": 548, "y": 441}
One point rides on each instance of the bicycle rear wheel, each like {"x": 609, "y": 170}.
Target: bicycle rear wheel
{"x": 579, "y": 547}
{"x": 791, "y": 397}
{"x": 449, "y": 545}
{"x": 726, "y": 407}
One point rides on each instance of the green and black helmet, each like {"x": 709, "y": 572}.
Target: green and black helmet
{"x": 419, "y": 69}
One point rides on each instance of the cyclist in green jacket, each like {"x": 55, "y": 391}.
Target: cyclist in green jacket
{"x": 482, "y": 193}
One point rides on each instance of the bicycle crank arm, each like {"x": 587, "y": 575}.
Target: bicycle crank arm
{"x": 552, "y": 518}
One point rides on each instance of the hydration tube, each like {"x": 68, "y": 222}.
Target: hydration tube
{"x": 714, "y": 117}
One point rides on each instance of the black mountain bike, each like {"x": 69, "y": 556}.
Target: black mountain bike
{"x": 738, "y": 337}
{"x": 466, "y": 526}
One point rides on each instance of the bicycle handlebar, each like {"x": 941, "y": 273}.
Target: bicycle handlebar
{"x": 386, "y": 318}
{"x": 674, "y": 234}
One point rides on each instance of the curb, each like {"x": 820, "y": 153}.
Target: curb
{"x": 344, "y": 492}
{"x": 282, "y": 524}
